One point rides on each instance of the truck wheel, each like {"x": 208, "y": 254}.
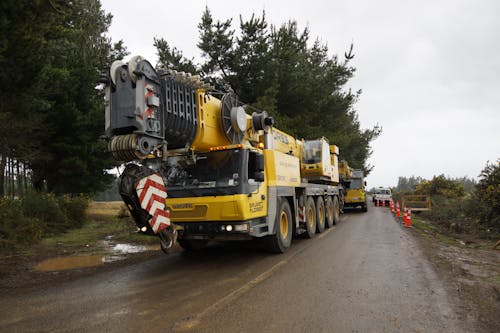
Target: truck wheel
{"x": 320, "y": 215}
{"x": 310, "y": 218}
{"x": 336, "y": 210}
{"x": 281, "y": 241}
{"x": 365, "y": 207}
{"x": 329, "y": 212}
{"x": 192, "y": 244}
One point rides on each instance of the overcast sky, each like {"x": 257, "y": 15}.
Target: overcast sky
{"x": 429, "y": 70}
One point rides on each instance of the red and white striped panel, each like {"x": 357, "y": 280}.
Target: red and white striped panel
{"x": 302, "y": 213}
{"x": 152, "y": 194}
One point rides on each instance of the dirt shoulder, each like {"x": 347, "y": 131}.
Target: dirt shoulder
{"x": 19, "y": 275}
{"x": 470, "y": 271}
{"x": 105, "y": 242}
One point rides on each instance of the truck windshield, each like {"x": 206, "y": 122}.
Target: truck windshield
{"x": 355, "y": 184}
{"x": 311, "y": 152}
{"x": 213, "y": 173}
{"x": 357, "y": 173}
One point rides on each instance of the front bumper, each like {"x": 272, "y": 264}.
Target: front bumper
{"x": 224, "y": 230}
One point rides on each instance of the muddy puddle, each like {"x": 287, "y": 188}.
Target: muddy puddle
{"x": 63, "y": 263}
{"x": 117, "y": 252}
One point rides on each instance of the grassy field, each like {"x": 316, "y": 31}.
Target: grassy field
{"x": 102, "y": 226}
{"x": 104, "y": 209}
{"x": 432, "y": 231}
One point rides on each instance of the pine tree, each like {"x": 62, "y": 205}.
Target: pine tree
{"x": 54, "y": 53}
{"x": 172, "y": 58}
{"x": 274, "y": 69}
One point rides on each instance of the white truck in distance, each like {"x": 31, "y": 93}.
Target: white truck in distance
{"x": 382, "y": 194}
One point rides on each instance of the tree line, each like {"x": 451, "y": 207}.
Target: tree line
{"x": 54, "y": 53}
{"x": 461, "y": 204}
{"x": 282, "y": 70}
{"x": 458, "y": 185}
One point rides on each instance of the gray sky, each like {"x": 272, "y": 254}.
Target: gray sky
{"x": 429, "y": 70}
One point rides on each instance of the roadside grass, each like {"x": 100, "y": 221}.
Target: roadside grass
{"x": 113, "y": 219}
{"x": 493, "y": 279}
{"x": 91, "y": 236}
{"x": 98, "y": 236}
{"x": 101, "y": 227}
{"x": 100, "y": 210}
{"x": 431, "y": 231}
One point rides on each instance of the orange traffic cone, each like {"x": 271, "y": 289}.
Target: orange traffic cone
{"x": 398, "y": 211}
{"x": 377, "y": 204}
{"x": 391, "y": 204}
{"x": 405, "y": 215}
{"x": 408, "y": 219}
{"x": 383, "y": 203}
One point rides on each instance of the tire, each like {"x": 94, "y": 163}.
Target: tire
{"x": 336, "y": 210}
{"x": 329, "y": 212}
{"x": 364, "y": 208}
{"x": 193, "y": 244}
{"x": 310, "y": 218}
{"x": 320, "y": 215}
{"x": 281, "y": 241}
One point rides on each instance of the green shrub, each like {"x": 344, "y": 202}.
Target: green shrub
{"x": 442, "y": 186}
{"x": 45, "y": 207}
{"x": 487, "y": 196}
{"x": 27, "y": 220}
{"x": 457, "y": 215}
{"x": 74, "y": 208}
{"x": 15, "y": 228}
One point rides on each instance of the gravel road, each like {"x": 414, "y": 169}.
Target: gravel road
{"x": 367, "y": 274}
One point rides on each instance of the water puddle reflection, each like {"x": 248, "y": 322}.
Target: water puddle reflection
{"x": 63, "y": 263}
{"x": 117, "y": 252}
{"x": 129, "y": 248}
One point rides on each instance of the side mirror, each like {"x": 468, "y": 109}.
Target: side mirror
{"x": 256, "y": 162}
{"x": 258, "y": 176}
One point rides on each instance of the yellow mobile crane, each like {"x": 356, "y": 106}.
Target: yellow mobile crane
{"x": 200, "y": 168}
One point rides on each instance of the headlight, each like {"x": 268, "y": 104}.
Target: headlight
{"x": 241, "y": 227}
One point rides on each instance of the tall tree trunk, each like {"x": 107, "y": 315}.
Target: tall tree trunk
{"x": 19, "y": 180}
{"x": 7, "y": 177}
{"x": 25, "y": 176}
{"x": 2, "y": 175}
{"x": 12, "y": 179}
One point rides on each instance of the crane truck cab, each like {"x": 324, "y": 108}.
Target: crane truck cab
{"x": 355, "y": 191}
